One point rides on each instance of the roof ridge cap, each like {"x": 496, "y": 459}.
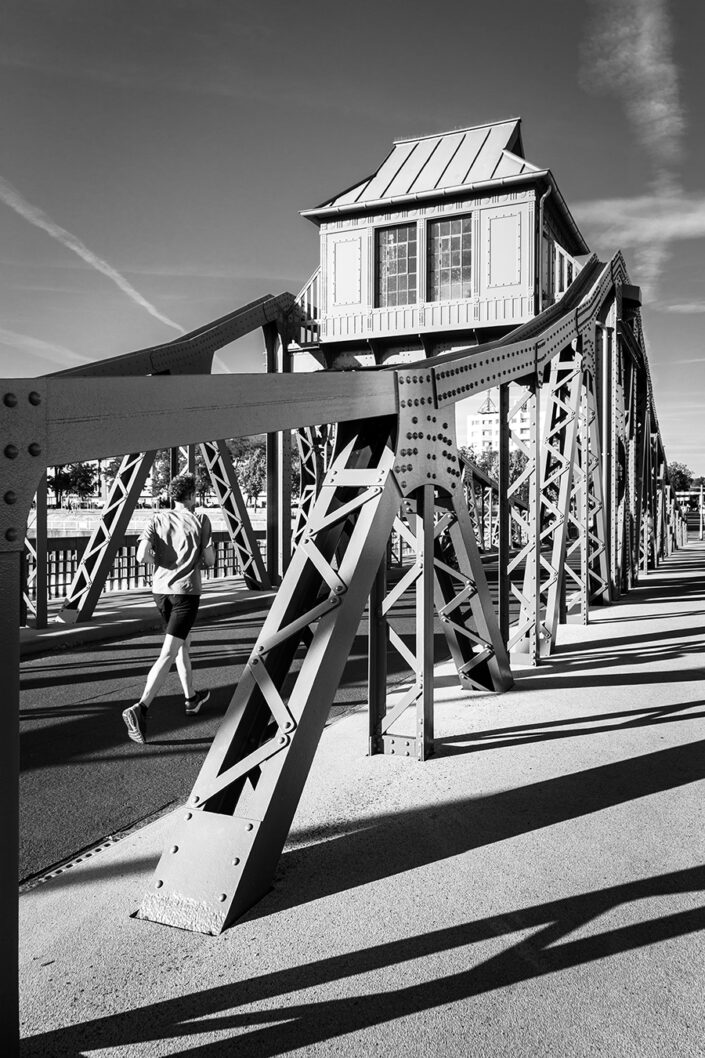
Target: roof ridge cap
{"x": 452, "y": 132}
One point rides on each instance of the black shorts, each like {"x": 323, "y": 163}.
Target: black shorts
{"x": 178, "y": 613}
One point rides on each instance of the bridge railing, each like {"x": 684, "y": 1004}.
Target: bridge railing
{"x": 64, "y": 555}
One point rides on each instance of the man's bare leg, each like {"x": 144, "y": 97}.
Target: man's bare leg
{"x": 183, "y": 667}
{"x": 160, "y": 669}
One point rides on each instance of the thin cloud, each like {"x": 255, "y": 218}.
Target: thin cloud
{"x": 688, "y": 308}
{"x": 217, "y": 84}
{"x": 12, "y": 198}
{"x": 646, "y": 218}
{"x": 629, "y": 53}
{"x": 647, "y": 224}
{"x": 51, "y": 351}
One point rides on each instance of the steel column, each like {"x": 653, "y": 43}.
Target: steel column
{"x": 464, "y": 605}
{"x": 182, "y": 460}
{"x": 598, "y": 583}
{"x": 233, "y": 829}
{"x": 278, "y": 467}
{"x": 606, "y": 438}
{"x": 35, "y": 590}
{"x": 563, "y": 416}
{"x": 425, "y": 545}
{"x": 315, "y": 448}
{"x": 224, "y": 480}
{"x": 9, "y": 791}
{"x": 504, "y": 516}
{"x": 377, "y": 637}
{"x": 41, "y": 598}
{"x": 527, "y": 634}
{"x": 106, "y": 538}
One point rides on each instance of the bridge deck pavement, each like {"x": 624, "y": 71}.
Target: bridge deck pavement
{"x": 534, "y": 889}
{"x": 133, "y": 612}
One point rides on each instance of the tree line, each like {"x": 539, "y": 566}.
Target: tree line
{"x": 249, "y": 459}
{"x": 248, "y": 455}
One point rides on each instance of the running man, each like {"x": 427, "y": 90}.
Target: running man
{"x": 177, "y": 543}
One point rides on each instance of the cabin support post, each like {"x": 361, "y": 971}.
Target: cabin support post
{"x": 504, "y": 516}
{"x": 278, "y": 533}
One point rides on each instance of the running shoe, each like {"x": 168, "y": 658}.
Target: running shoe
{"x": 193, "y": 705}
{"x": 136, "y": 723}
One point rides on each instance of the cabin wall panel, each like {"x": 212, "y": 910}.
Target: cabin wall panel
{"x": 503, "y": 271}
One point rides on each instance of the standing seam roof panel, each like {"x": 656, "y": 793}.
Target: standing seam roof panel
{"x": 384, "y": 176}
{"x": 412, "y": 167}
{"x": 491, "y": 152}
{"x": 465, "y": 160}
{"x": 431, "y": 173}
{"x": 348, "y": 197}
{"x": 509, "y": 166}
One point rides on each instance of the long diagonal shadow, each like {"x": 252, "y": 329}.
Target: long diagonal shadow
{"x": 363, "y": 850}
{"x": 306, "y": 1024}
{"x": 543, "y": 731}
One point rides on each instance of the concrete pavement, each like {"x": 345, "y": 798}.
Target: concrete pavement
{"x": 534, "y": 889}
{"x": 127, "y": 613}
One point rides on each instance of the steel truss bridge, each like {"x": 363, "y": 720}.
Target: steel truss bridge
{"x": 379, "y": 457}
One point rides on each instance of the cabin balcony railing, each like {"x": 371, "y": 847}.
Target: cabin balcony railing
{"x": 565, "y": 270}
{"x": 309, "y": 300}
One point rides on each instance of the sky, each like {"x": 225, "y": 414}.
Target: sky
{"x": 156, "y": 154}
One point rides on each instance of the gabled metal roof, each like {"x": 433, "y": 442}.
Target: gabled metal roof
{"x": 440, "y": 161}
{"x": 444, "y": 164}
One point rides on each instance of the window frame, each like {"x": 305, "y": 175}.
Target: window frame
{"x": 380, "y": 232}
{"x": 450, "y": 218}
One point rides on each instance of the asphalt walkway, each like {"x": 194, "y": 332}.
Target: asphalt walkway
{"x": 533, "y": 890}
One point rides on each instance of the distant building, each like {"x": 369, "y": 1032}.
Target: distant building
{"x": 483, "y": 426}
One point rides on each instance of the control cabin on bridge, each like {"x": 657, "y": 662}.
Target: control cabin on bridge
{"x": 439, "y": 247}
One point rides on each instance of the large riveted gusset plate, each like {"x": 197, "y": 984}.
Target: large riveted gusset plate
{"x": 427, "y": 452}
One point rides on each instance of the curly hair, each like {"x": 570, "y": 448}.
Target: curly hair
{"x": 181, "y": 487}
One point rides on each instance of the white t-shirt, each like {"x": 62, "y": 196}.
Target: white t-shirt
{"x": 178, "y": 539}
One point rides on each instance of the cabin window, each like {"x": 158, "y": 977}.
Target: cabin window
{"x": 450, "y": 259}
{"x": 396, "y": 266}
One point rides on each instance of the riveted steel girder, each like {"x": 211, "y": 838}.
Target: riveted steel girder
{"x": 235, "y": 823}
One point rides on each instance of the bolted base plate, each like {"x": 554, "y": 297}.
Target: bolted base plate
{"x": 196, "y": 879}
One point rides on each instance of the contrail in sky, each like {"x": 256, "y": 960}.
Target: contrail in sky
{"x": 12, "y": 198}
{"x": 56, "y": 354}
